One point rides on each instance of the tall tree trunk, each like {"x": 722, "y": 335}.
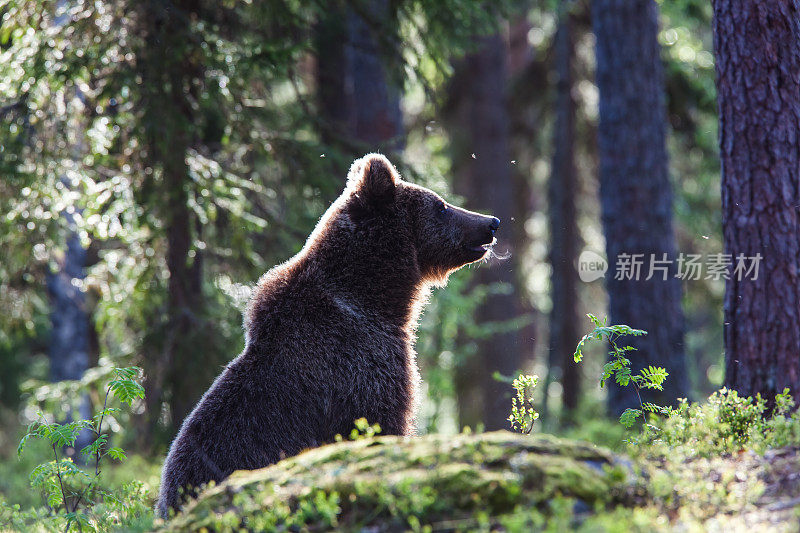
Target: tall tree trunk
{"x": 521, "y": 66}
{"x": 635, "y": 191}
{"x": 359, "y": 100}
{"x": 70, "y": 334}
{"x": 169, "y": 78}
{"x": 482, "y": 170}
{"x": 184, "y": 292}
{"x": 562, "y": 191}
{"x": 757, "y": 46}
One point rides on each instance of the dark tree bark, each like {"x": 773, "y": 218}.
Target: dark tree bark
{"x": 179, "y": 365}
{"x": 757, "y": 47}
{"x": 635, "y": 191}
{"x": 562, "y": 190}
{"x": 522, "y": 64}
{"x": 480, "y": 126}
{"x": 359, "y": 100}
{"x": 185, "y": 302}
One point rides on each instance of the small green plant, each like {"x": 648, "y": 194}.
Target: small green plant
{"x": 523, "y": 415}
{"x": 68, "y": 489}
{"x": 619, "y": 368}
{"x": 362, "y": 430}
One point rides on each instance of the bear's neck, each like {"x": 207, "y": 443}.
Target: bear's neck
{"x": 381, "y": 281}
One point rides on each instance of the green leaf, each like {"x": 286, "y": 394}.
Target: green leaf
{"x": 608, "y": 371}
{"x": 95, "y": 446}
{"x": 523, "y": 415}
{"x": 70, "y": 469}
{"x": 628, "y": 418}
{"x": 654, "y": 408}
{"x": 578, "y": 355}
{"x": 653, "y": 377}
{"x": 126, "y": 390}
{"x": 108, "y": 411}
{"x": 23, "y": 441}
{"x": 622, "y": 375}
{"x": 42, "y": 472}
{"x": 61, "y": 435}
{"x": 131, "y": 372}
{"x": 79, "y": 519}
{"x": 116, "y": 453}
{"x": 54, "y": 496}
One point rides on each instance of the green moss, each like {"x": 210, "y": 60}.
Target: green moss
{"x": 397, "y": 483}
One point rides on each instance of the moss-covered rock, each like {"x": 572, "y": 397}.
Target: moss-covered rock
{"x": 391, "y": 483}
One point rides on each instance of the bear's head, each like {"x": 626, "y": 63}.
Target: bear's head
{"x": 444, "y": 237}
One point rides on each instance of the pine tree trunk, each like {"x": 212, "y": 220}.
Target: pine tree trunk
{"x": 635, "y": 191}
{"x": 184, "y": 292}
{"x": 178, "y": 367}
{"x": 480, "y": 127}
{"x": 562, "y": 187}
{"x": 757, "y": 46}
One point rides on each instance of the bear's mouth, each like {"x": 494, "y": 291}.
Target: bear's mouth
{"x": 481, "y": 248}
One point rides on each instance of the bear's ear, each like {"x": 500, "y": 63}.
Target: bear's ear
{"x": 374, "y": 181}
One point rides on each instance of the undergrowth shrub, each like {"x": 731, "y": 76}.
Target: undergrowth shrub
{"x": 728, "y": 422}
{"x": 74, "y": 499}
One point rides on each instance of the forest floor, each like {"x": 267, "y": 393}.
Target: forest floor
{"x": 744, "y": 491}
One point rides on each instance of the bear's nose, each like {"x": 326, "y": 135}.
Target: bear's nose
{"x": 494, "y": 224}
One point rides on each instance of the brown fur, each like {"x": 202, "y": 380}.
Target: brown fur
{"x": 329, "y": 333}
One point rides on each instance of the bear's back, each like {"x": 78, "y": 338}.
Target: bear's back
{"x": 329, "y": 357}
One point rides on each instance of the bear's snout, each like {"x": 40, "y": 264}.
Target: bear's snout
{"x": 484, "y": 227}
{"x": 477, "y": 233}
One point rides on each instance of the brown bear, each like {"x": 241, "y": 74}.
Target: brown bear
{"x": 330, "y": 333}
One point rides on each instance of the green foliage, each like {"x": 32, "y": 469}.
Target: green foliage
{"x": 603, "y": 331}
{"x": 523, "y": 415}
{"x": 629, "y": 416}
{"x": 125, "y": 388}
{"x": 619, "y": 367}
{"x": 728, "y": 423}
{"x": 362, "y": 430}
{"x": 73, "y": 495}
{"x": 127, "y": 508}
{"x": 651, "y": 377}
{"x": 76, "y": 110}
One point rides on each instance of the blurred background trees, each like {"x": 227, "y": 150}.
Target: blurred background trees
{"x": 163, "y": 156}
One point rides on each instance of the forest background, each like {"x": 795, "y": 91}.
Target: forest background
{"x": 157, "y": 158}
